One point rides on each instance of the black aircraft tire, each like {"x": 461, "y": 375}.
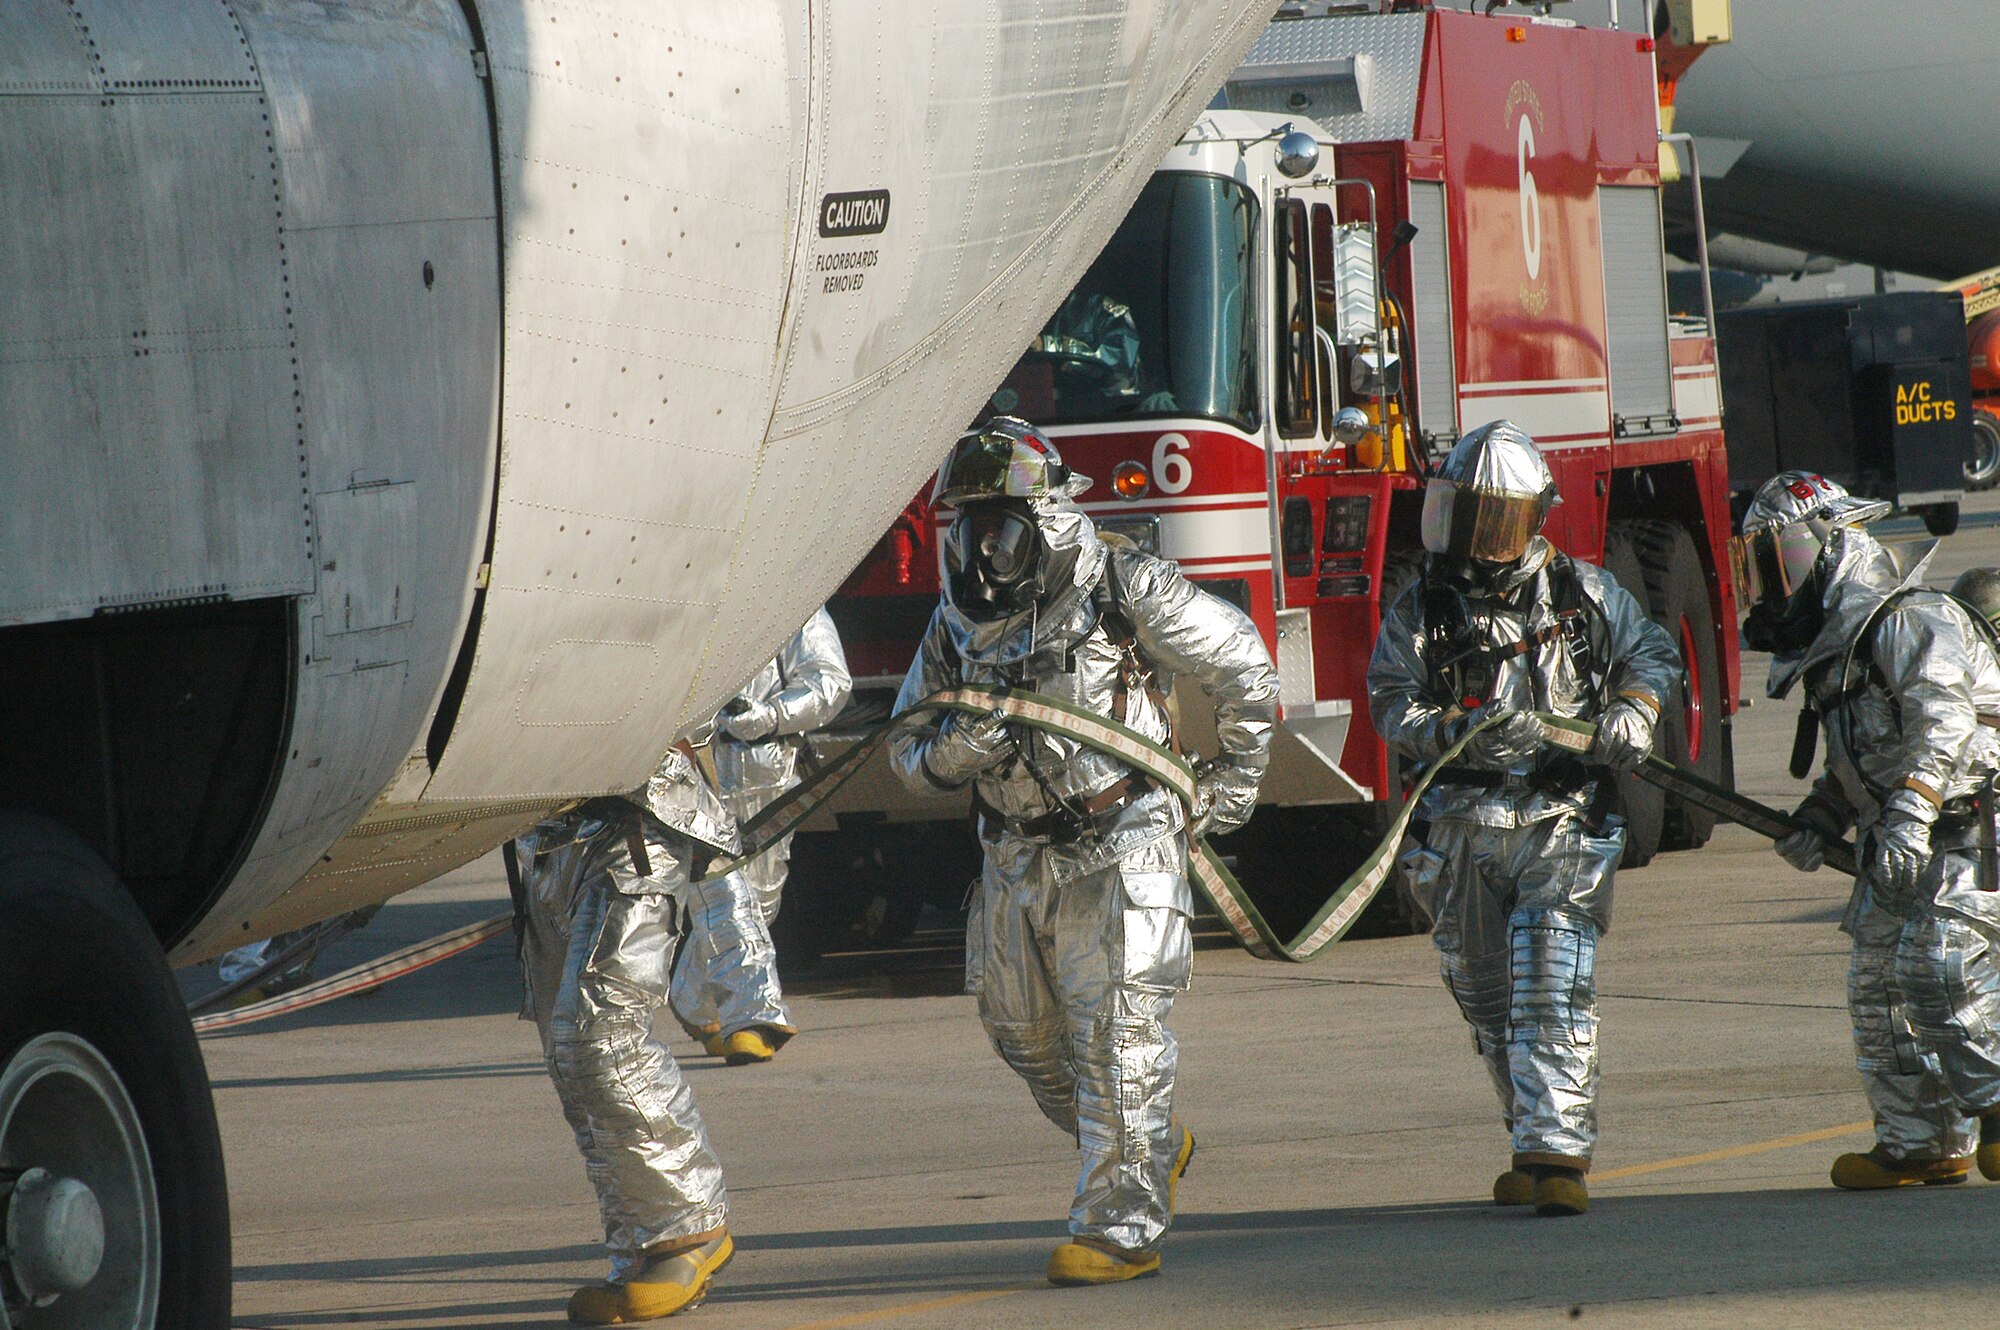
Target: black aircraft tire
{"x": 1690, "y": 733}
{"x": 78, "y": 959}
{"x": 1643, "y": 805}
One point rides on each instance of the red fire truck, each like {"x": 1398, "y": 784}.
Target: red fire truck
{"x": 1392, "y": 227}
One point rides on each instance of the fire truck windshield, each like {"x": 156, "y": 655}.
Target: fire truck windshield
{"x": 1161, "y": 325}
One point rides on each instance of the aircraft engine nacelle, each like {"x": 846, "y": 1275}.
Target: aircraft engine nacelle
{"x": 418, "y": 412}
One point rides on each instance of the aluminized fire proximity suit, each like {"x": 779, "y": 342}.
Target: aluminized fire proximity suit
{"x": 1077, "y": 939}
{"x": 1908, "y": 710}
{"x": 597, "y": 951}
{"x": 1508, "y": 858}
{"x": 727, "y": 979}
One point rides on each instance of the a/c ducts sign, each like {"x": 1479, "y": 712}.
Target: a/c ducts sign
{"x": 1918, "y": 404}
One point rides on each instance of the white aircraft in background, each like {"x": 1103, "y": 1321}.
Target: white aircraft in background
{"x": 1852, "y": 128}
{"x": 416, "y": 413}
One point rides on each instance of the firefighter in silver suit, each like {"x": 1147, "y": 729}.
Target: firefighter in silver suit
{"x": 602, "y": 889}
{"x": 1907, "y": 686}
{"x": 726, "y": 989}
{"x": 1077, "y": 939}
{"x": 1513, "y": 847}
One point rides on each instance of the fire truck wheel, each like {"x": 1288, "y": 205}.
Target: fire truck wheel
{"x": 1287, "y": 886}
{"x": 1692, "y": 733}
{"x": 869, "y": 887}
{"x": 1643, "y": 805}
{"x": 115, "y": 1202}
{"x": 1982, "y": 469}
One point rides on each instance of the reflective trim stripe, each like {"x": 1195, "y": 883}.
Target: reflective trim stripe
{"x": 1930, "y": 796}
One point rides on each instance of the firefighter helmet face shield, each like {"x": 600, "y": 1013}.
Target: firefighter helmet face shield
{"x": 1784, "y": 530}
{"x": 1006, "y": 458}
{"x": 992, "y": 553}
{"x": 1773, "y": 562}
{"x": 1489, "y": 497}
{"x": 1491, "y": 527}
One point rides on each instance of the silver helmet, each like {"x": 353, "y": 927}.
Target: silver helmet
{"x": 1489, "y": 497}
{"x": 1979, "y": 588}
{"x": 1016, "y": 537}
{"x": 1785, "y": 528}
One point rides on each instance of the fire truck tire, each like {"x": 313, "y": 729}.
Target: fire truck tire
{"x": 1982, "y": 469}
{"x": 1644, "y": 806}
{"x": 1691, "y": 733}
{"x": 102, "y": 1084}
{"x": 1288, "y": 883}
{"x": 868, "y": 887}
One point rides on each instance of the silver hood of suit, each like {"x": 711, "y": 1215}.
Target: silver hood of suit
{"x": 1861, "y": 572}
{"x": 1034, "y": 641}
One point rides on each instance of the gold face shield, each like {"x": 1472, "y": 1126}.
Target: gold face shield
{"x": 1492, "y": 526}
{"x": 1772, "y": 562}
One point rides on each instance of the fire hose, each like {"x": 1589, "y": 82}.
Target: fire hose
{"x": 1173, "y": 772}
{"x": 1331, "y": 920}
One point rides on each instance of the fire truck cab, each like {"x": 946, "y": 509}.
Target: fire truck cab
{"x": 1389, "y": 229}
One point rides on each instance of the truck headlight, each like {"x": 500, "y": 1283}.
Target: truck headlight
{"x": 1141, "y": 531}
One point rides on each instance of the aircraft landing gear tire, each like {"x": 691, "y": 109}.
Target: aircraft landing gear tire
{"x": 111, "y": 1175}
{"x": 1644, "y": 805}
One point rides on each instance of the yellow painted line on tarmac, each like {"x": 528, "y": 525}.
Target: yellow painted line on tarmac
{"x": 1733, "y": 1152}
{"x": 912, "y": 1308}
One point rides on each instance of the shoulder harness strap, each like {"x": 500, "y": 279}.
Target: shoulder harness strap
{"x": 1135, "y": 672}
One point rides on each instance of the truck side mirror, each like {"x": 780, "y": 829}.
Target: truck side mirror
{"x": 1298, "y": 154}
{"x": 1375, "y": 373}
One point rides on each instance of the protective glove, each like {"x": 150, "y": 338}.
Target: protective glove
{"x": 1805, "y": 849}
{"x": 966, "y": 746}
{"x": 1224, "y": 795}
{"x": 1509, "y": 743}
{"x": 748, "y": 721}
{"x": 1625, "y": 735}
{"x": 1902, "y": 844}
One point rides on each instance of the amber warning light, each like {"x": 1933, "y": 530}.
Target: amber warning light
{"x": 1130, "y": 481}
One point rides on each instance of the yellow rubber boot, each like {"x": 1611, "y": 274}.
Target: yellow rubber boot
{"x": 670, "y": 1282}
{"x": 747, "y": 1046}
{"x": 1878, "y": 1169}
{"x": 1183, "y": 1156}
{"x": 1514, "y": 1187}
{"x": 1559, "y": 1191}
{"x": 714, "y": 1045}
{"x": 1988, "y": 1154}
{"x": 1086, "y": 1261}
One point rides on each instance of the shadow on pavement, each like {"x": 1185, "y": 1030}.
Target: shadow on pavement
{"x": 480, "y": 1072}
{"x": 1372, "y": 1260}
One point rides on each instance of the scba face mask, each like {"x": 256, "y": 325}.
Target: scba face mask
{"x": 992, "y": 555}
{"x": 1788, "y": 626}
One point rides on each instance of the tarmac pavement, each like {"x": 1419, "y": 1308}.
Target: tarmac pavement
{"x": 400, "y": 1162}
